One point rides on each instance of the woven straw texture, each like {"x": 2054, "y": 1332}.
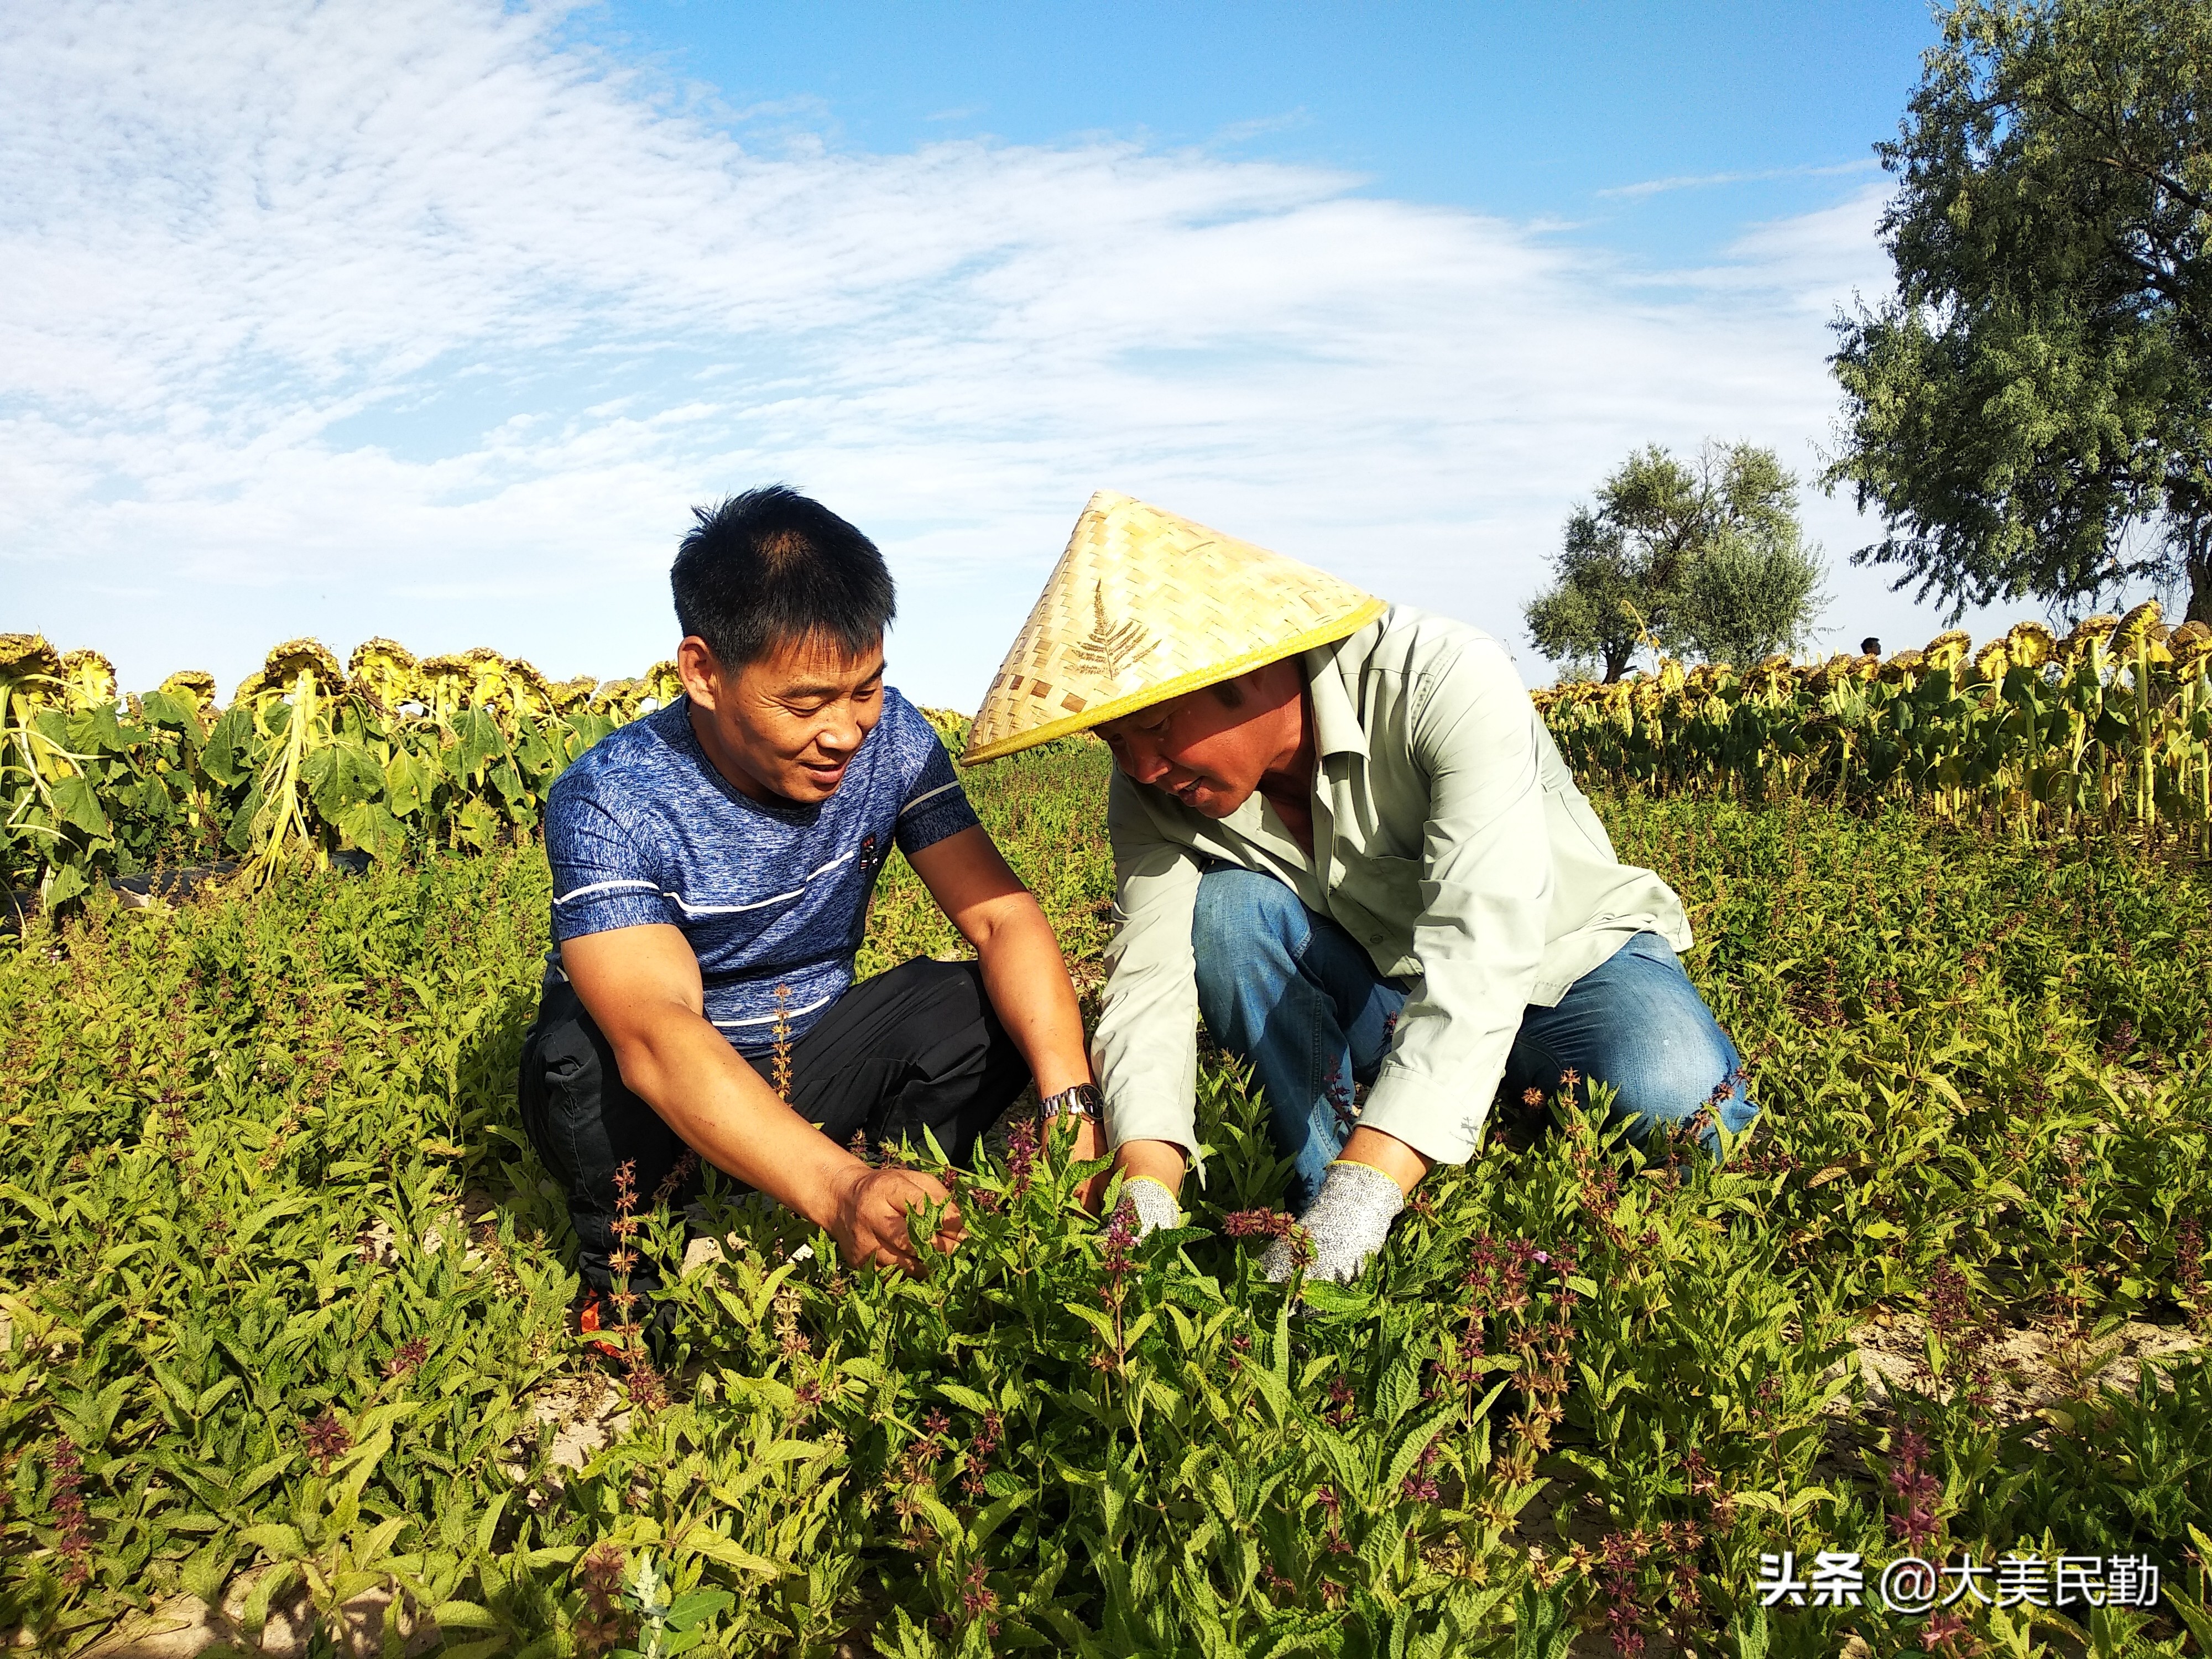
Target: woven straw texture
{"x": 1145, "y": 607}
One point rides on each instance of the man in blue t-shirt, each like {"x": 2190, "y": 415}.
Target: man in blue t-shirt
{"x": 712, "y": 867}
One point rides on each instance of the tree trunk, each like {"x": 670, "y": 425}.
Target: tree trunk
{"x": 2194, "y": 512}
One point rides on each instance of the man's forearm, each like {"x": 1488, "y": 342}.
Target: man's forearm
{"x": 1026, "y": 978}
{"x": 687, "y": 1072}
{"x": 642, "y": 985}
{"x": 1393, "y": 1156}
{"x": 1154, "y": 1160}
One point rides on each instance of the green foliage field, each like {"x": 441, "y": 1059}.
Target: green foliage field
{"x": 287, "y": 1291}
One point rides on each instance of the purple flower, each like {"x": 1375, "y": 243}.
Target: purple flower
{"x": 326, "y": 1440}
{"x": 1021, "y": 1155}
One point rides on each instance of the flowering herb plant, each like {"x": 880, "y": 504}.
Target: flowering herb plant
{"x": 287, "y": 1300}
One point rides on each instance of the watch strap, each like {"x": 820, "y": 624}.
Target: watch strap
{"x": 1082, "y": 1100}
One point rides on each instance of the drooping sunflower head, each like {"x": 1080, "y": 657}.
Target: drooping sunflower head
{"x": 530, "y": 692}
{"x": 2135, "y": 628}
{"x": 193, "y": 685}
{"x": 281, "y": 668}
{"x": 2089, "y": 631}
{"x": 383, "y": 671}
{"x": 30, "y": 669}
{"x": 661, "y": 683}
{"x": 2190, "y": 644}
{"x": 1946, "y": 650}
{"x": 1903, "y": 668}
{"x": 2030, "y": 644}
{"x": 952, "y": 724}
{"x": 88, "y": 679}
{"x": 491, "y": 677}
{"x": 1993, "y": 661}
{"x": 569, "y": 695}
{"x": 445, "y": 681}
{"x": 617, "y": 697}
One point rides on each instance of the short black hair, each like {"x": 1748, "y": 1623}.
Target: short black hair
{"x": 770, "y": 568}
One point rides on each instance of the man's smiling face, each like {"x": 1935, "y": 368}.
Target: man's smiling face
{"x": 785, "y": 726}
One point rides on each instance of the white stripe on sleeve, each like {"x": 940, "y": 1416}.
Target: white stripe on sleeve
{"x": 769, "y": 1019}
{"x": 609, "y": 886}
{"x": 941, "y": 789}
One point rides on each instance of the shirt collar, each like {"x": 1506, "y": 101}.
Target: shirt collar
{"x": 1337, "y": 730}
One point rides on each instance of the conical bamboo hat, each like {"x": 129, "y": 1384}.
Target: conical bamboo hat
{"x": 1145, "y": 607}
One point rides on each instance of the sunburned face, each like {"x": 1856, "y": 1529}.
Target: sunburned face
{"x": 1207, "y": 755}
{"x": 785, "y": 726}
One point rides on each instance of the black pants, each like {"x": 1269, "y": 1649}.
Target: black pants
{"x": 918, "y": 1047}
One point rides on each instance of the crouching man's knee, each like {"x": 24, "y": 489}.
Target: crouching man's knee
{"x": 1686, "y": 1080}
{"x": 1241, "y": 913}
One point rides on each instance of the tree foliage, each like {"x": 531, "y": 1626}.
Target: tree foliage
{"x": 2032, "y": 413}
{"x": 1705, "y": 556}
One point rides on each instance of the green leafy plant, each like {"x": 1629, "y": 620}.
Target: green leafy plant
{"x": 287, "y": 1298}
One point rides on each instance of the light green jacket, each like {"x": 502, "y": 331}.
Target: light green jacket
{"x": 1449, "y": 839}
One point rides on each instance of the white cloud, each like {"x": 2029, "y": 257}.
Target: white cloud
{"x": 407, "y": 318}
{"x": 1757, "y": 175}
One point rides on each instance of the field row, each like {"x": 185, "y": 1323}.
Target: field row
{"x": 2109, "y": 728}
{"x": 289, "y": 1314}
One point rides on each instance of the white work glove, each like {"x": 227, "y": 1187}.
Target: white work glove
{"x": 1155, "y": 1204}
{"x": 1345, "y": 1224}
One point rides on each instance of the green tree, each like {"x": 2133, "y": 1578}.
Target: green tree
{"x": 1746, "y": 597}
{"x": 1705, "y": 556}
{"x": 2032, "y": 413}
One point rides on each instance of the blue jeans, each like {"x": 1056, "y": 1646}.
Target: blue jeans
{"x": 1295, "y": 996}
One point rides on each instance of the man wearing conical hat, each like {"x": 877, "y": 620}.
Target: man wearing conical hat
{"x": 1342, "y": 835}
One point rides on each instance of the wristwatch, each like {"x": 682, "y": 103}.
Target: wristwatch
{"x": 1082, "y": 1101}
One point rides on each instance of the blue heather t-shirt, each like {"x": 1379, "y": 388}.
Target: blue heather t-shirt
{"x": 642, "y": 828}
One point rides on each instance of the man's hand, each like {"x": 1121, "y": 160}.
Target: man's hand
{"x": 869, "y": 1221}
{"x": 1090, "y": 1145}
{"x": 641, "y": 985}
{"x": 1150, "y": 1171}
{"x": 1156, "y": 1206}
{"x": 1346, "y": 1223}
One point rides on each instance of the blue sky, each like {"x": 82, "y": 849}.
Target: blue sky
{"x": 431, "y": 318}
{"x": 1581, "y": 113}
